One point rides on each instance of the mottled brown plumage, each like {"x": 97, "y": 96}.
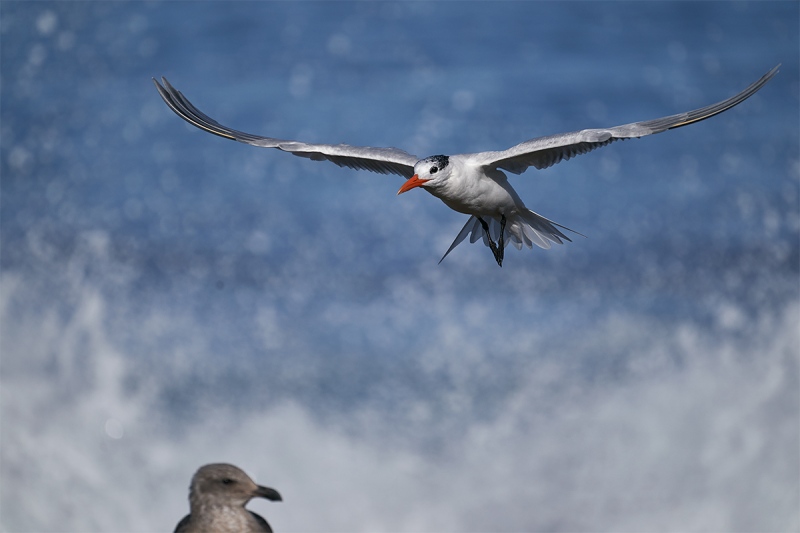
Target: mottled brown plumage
{"x": 217, "y": 498}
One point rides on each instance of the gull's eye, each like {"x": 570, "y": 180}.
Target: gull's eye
{"x": 434, "y": 170}
{"x": 227, "y": 481}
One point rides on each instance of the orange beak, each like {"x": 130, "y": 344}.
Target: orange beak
{"x": 414, "y": 181}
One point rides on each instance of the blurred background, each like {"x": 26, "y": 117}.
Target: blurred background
{"x": 170, "y": 298}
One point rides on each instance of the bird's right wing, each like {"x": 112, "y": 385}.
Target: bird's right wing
{"x": 544, "y": 152}
{"x": 380, "y": 160}
{"x": 265, "y": 527}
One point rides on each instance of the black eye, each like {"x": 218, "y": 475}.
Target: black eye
{"x": 434, "y": 170}
{"x": 227, "y": 481}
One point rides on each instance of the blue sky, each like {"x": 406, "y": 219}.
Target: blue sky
{"x": 169, "y": 298}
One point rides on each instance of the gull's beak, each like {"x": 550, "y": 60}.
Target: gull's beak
{"x": 268, "y": 493}
{"x": 414, "y": 181}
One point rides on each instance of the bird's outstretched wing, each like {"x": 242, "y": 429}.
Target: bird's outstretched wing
{"x": 381, "y": 160}
{"x": 544, "y": 152}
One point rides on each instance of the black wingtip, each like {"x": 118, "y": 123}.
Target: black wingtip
{"x": 161, "y": 90}
{"x": 774, "y": 70}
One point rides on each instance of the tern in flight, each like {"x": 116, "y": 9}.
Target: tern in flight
{"x": 473, "y": 184}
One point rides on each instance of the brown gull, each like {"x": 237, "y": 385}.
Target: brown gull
{"x": 217, "y": 498}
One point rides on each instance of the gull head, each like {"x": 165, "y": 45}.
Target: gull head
{"x": 226, "y": 485}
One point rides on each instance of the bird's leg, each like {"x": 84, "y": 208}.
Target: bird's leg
{"x": 498, "y": 254}
{"x": 501, "y": 244}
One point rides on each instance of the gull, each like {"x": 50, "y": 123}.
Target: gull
{"x": 473, "y": 184}
{"x": 217, "y": 497}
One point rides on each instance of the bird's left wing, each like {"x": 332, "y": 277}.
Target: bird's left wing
{"x": 183, "y": 525}
{"x": 544, "y": 152}
{"x": 380, "y": 160}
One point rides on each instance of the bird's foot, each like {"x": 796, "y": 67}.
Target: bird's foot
{"x": 496, "y": 250}
{"x": 498, "y": 256}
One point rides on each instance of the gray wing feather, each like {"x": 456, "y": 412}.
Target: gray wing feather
{"x": 380, "y": 160}
{"x": 544, "y": 152}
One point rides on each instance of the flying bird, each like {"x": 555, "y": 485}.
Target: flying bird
{"x": 473, "y": 184}
{"x": 217, "y": 497}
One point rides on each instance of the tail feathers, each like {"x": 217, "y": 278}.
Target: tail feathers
{"x": 469, "y": 227}
{"x": 526, "y": 228}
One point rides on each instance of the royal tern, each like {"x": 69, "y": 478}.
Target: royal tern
{"x": 473, "y": 184}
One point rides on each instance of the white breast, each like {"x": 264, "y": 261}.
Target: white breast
{"x": 474, "y": 191}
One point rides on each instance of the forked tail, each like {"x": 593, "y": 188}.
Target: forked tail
{"x": 526, "y": 228}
